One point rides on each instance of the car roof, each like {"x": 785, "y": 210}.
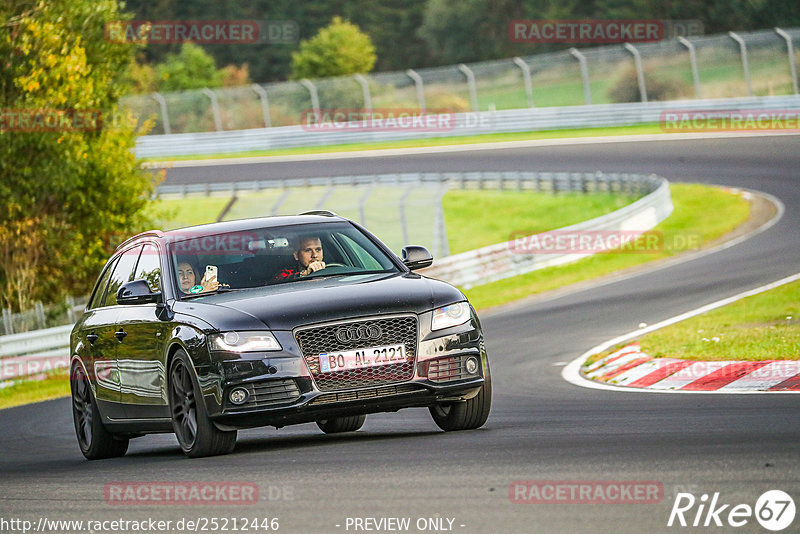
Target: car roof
{"x": 241, "y": 225}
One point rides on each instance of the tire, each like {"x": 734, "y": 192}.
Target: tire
{"x": 95, "y": 441}
{"x": 196, "y": 434}
{"x": 335, "y": 425}
{"x": 466, "y": 415}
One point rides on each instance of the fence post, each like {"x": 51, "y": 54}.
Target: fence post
{"x": 38, "y": 311}
{"x": 402, "y": 207}
{"x": 262, "y": 95}
{"x": 312, "y": 89}
{"x": 214, "y": 107}
{"x": 411, "y": 73}
{"x": 473, "y": 89}
{"x": 362, "y": 203}
{"x": 587, "y": 89}
{"x": 70, "y": 312}
{"x": 790, "y": 50}
{"x": 158, "y": 97}
{"x": 526, "y": 78}
{"x": 281, "y": 199}
{"x": 440, "y": 244}
{"x": 365, "y": 91}
{"x": 637, "y": 61}
{"x": 8, "y": 321}
{"x": 693, "y": 62}
{"x": 325, "y": 197}
{"x": 743, "y": 52}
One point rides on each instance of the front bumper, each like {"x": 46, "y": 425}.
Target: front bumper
{"x": 283, "y": 391}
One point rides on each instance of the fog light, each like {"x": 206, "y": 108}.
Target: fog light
{"x": 238, "y": 396}
{"x": 472, "y": 365}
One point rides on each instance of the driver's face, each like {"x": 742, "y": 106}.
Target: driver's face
{"x": 310, "y": 251}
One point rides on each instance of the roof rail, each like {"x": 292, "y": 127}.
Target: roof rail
{"x": 155, "y": 233}
{"x": 324, "y": 213}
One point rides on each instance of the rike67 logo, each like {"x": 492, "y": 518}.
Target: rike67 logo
{"x": 774, "y": 510}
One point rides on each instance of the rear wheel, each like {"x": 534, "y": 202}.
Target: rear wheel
{"x": 465, "y": 415}
{"x": 335, "y": 425}
{"x": 95, "y": 441}
{"x": 196, "y": 434}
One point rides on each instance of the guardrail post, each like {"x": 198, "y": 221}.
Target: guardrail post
{"x": 70, "y": 301}
{"x": 8, "y": 321}
{"x": 411, "y": 73}
{"x": 262, "y": 95}
{"x": 587, "y": 89}
{"x": 214, "y": 107}
{"x": 158, "y": 97}
{"x": 790, "y": 50}
{"x": 743, "y": 51}
{"x": 312, "y": 89}
{"x": 637, "y": 61}
{"x": 693, "y": 62}
{"x": 526, "y": 78}
{"x": 362, "y": 80}
{"x": 473, "y": 89}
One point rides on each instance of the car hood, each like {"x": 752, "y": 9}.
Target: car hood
{"x": 287, "y": 306}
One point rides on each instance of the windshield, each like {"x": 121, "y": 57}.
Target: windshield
{"x": 206, "y": 264}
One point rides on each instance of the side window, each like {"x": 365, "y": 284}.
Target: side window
{"x": 123, "y": 273}
{"x": 149, "y": 268}
{"x": 100, "y": 289}
{"x": 364, "y": 257}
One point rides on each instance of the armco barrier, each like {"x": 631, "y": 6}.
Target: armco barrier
{"x": 34, "y": 352}
{"x": 495, "y": 262}
{"x": 484, "y": 122}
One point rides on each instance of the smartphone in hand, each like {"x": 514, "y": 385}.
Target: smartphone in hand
{"x": 211, "y": 272}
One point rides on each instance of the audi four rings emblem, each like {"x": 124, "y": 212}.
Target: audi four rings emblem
{"x": 358, "y": 333}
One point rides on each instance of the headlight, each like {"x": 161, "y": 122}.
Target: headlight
{"x": 452, "y": 315}
{"x": 245, "y": 341}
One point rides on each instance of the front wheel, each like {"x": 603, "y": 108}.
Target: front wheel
{"x": 196, "y": 434}
{"x": 465, "y": 415}
{"x": 95, "y": 441}
{"x": 336, "y": 425}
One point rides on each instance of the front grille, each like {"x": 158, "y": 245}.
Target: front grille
{"x": 269, "y": 393}
{"x": 394, "y": 330}
{"x": 371, "y": 393}
{"x": 447, "y": 369}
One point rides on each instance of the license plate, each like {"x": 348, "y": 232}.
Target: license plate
{"x": 345, "y": 360}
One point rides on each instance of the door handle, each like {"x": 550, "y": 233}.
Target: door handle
{"x": 120, "y": 334}
{"x": 91, "y": 338}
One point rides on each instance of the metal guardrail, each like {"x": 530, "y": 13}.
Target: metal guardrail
{"x": 485, "y": 122}
{"x": 502, "y": 260}
{"x": 33, "y": 353}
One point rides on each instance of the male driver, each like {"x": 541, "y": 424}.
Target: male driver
{"x": 308, "y": 254}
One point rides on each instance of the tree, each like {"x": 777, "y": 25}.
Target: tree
{"x": 66, "y": 186}
{"x": 337, "y": 50}
{"x": 192, "y": 68}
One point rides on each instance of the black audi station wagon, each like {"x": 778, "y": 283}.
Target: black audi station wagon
{"x": 275, "y": 321}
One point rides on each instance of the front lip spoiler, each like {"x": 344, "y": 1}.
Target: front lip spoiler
{"x": 304, "y": 411}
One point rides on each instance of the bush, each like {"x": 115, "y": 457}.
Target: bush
{"x": 625, "y": 87}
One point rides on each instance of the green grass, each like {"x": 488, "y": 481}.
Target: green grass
{"x": 171, "y": 213}
{"x": 701, "y": 215}
{"x": 762, "y": 327}
{"x": 433, "y": 141}
{"x": 53, "y": 387}
{"x": 478, "y": 218}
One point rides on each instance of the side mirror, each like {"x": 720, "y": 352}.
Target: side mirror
{"x": 415, "y": 257}
{"x": 136, "y": 292}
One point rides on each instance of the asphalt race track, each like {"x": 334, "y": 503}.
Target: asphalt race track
{"x": 541, "y": 427}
